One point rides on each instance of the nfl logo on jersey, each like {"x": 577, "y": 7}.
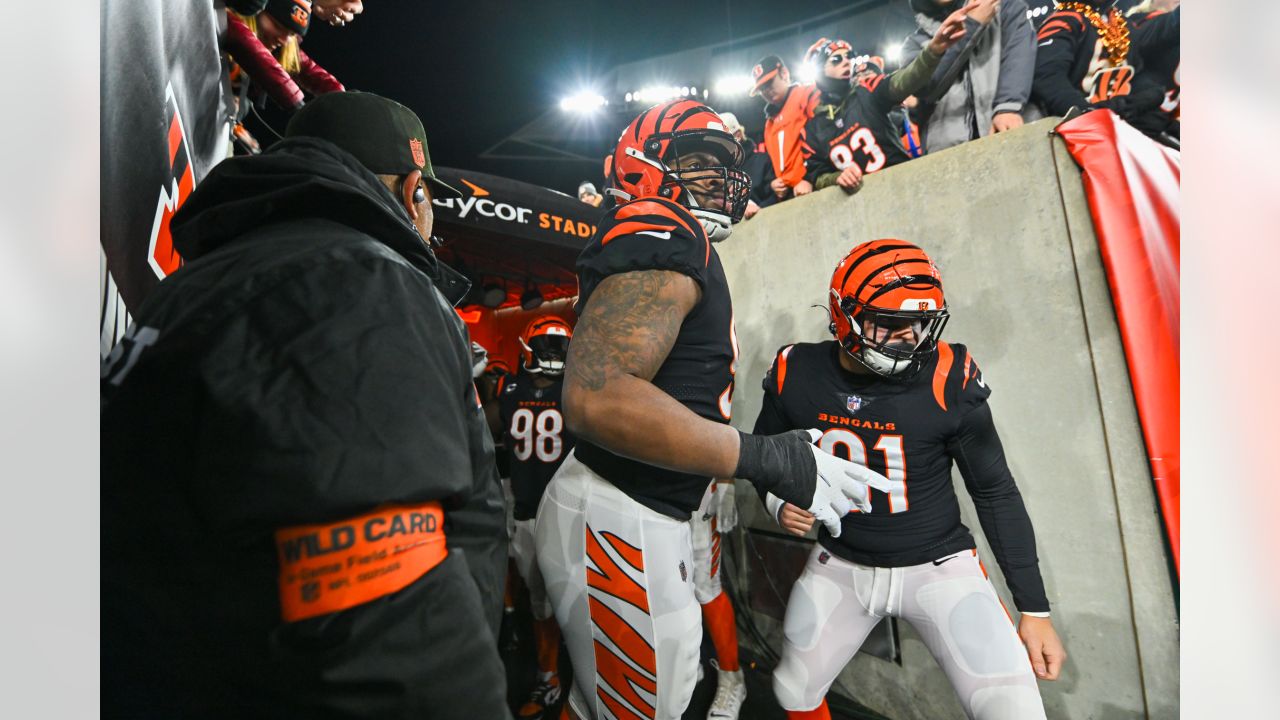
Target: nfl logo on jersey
{"x": 853, "y": 403}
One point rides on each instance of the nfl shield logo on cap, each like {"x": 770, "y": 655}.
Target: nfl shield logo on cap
{"x": 419, "y": 157}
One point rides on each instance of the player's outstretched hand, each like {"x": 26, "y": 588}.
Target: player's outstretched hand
{"x": 952, "y": 30}
{"x": 1043, "y": 646}
{"x": 851, "y": 480}
{"x": 791, "y": 467}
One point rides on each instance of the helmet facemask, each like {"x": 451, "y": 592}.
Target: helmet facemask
{"x": 547, "y": 353}
{"x": 892, "y": 343}
{"x": 701, "y": 172}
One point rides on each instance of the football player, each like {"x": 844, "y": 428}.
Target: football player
{"x": 717, "y": 515}
{"x": 851, "y": 133}
{"x": 648, "y": 391}
{"x": 536, "y": 441}
{"x": 889, "y": 393}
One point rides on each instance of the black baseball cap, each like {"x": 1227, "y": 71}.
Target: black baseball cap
{"x": 764, "y": 71}
{"x": 385, "y": 136}
{"x": 294, "y": 15}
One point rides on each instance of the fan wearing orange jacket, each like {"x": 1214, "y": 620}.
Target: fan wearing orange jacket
{"x": 787, "y": 108}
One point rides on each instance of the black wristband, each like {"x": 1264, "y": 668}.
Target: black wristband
{"x": 781, "y": 464}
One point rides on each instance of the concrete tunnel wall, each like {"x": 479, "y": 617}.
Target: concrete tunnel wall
{"x": 1007, "y": 222}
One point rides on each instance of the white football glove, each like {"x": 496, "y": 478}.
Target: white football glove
{"x": 726, "y": 508}
{"x": 841, "y": 485}
{"x": 479, "y": 359}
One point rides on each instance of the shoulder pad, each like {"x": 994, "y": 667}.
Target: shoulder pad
{"x": 648, "y": 234}
{"x": 957, "y": 381}
{"x": 776, "y": 377}
{"x": 653, "y": 216}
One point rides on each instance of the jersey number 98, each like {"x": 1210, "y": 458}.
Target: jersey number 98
{"x": 538, "y": 434}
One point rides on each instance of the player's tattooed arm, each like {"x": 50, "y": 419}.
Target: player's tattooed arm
{"x": 626, "y": 331}
{"x": 629, "y": 325}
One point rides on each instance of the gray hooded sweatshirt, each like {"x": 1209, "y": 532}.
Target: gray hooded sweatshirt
{"x": 988, "y": 72}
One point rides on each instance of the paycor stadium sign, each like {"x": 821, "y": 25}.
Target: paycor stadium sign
{"x": 514, "y": 208}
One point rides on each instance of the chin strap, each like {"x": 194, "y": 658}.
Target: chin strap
{"x": 716, "y": 228}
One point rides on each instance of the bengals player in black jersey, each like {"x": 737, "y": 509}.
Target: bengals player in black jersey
{"x": 851, "y": 133}
{"x": 648, "y": 392}
{"x": 536, "y": 442}
{"x": 888, "y": 392}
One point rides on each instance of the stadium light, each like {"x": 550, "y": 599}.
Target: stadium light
{"x": 891, "y": 54}
{"x": 808, "y": 74}
{"x": 733, "y": 85}
{"x": 656, "y": 93}
{"x": 585, "y": 102}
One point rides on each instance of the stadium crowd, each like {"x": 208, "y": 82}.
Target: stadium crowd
{"x": 1008, "y": 62}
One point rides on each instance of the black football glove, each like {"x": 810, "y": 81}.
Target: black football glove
{"x": 791, "y": 467}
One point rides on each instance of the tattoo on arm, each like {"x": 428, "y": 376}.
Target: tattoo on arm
{"x": 628, "y": 326}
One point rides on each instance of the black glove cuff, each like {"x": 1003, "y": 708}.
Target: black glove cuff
{"x": 781, "y": 464}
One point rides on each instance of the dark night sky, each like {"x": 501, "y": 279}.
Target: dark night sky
{"x": 477, "y": 71}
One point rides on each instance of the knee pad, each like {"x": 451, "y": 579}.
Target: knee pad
{"x": 705, "y": 587}
{"x": 813, "y": 600}
{"x": 980, "y": 629}
{"x": 790, "y": 682}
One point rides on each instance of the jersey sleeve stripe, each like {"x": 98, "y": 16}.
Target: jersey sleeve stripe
{"x": 782, "y": 366}
{"x": 968, "y": 362}
{"x": 1053, "y": 27}
{"x": 873, "y": 82}
{"x": 656, "y": 211}
{"x": 945, "y": 360}
{"x": 631, "y": 227}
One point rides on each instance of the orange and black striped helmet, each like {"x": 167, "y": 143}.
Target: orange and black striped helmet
{"x": 546, "y": 345}
{"x": 645, "y": 164}
{"x": 887, "y": 306}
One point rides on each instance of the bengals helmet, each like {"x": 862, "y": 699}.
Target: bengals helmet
{"x": 887, "y": 307}
{"x": 546, "y": 344}
{"x": 645, "y": 164}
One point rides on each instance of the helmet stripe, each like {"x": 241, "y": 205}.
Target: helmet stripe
{"x": 871, "y": 252}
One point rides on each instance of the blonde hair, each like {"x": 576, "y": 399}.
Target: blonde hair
{"x": 287, "y": 55}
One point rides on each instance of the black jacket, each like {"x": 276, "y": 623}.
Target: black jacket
{"x": 301, "y": 369}
{"x": 759, "y": 168}
{"x": 1071, "y": 70}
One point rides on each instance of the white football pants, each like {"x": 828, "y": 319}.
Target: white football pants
{"x": 949, "y": 601}
{"x": 618, "y": 577}
{"x": 706, "y": 549}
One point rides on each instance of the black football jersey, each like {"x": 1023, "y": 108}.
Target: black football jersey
{"x": 657, "y": 234}
{"x": 534, "y": 436}
{"x": 858, "y": 131}
{"x": 910, "y": 432}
